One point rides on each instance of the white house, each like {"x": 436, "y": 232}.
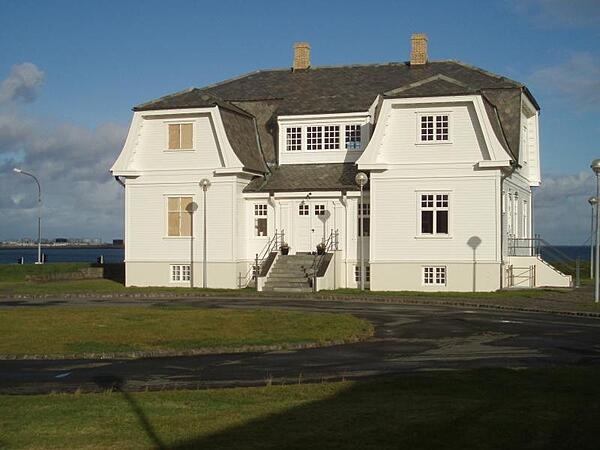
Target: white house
{"x": 451, "y": 152}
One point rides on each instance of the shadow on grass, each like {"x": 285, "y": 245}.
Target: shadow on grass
{"x": 115, "y": 384}
{"x": 456, "y": 410}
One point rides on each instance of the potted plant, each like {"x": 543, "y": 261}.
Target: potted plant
{"x": 320, "y": 248}
{"x": 284, "y": 248}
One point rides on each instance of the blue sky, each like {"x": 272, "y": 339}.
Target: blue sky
{"x": 70, "y": 71}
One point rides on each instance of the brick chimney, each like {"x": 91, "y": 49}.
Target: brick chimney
{"x": 301, "y": 56}
{"x": 418, "y": 50}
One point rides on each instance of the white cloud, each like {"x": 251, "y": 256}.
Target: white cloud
{"x": 80, "y": 198}
{"x": 576, "y": 79}
{"x": 22, "y": 84}
{"x": 563, "y": 13}
{"x": 562, "y": 211}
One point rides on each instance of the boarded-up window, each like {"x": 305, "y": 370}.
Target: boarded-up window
{"x": 181, "y": 136}
{"x": 180, "y": 216}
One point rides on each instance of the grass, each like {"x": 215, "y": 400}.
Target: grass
{"x": 18, "y": 272}
{"x": 79, "y": 331}
{"x": 556, "y": 408}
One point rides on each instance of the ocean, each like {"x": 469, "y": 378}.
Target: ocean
{"x": 58, "y": 254}
{"x": 117, "y": 255}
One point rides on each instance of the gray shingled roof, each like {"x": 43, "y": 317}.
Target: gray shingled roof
{"x": 307, "y": 177}
{"x": 270, "y": 93}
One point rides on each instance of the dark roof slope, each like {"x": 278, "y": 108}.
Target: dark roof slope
{"x": 307, "y": 177}
{"x": 242, "y": 135}
{"x": 269, "y": 93}
{"x": 330, "y": 89}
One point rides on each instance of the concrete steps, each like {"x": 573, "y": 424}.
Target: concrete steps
{"x": 290, "y": 274}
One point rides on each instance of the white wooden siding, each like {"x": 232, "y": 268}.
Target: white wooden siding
{"x": 146, "y": 223}
{"x": 395, "y": 214}
{"x": 152, "y": 151}
{"x": 401, "y": 142}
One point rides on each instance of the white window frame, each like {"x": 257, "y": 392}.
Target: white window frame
{"x": 365, "y": 216}
{"x": 303, "y": 209}
{"x": 435, "y": 115}
{"x": 167, "y": 211}
{"x": 326, "y": 136}
{"x": 319, "y": 209}
{"x": 435, "y": 208}
{"x": 293, "y": 138}
{"x": 168, "y": 134}
{"x": 434, "y": 276}
{"x": 260, "y": 211}
{"x": 350, "y": 128}
{"x": 180, "y": 273}
{"x": 367, "y": 273}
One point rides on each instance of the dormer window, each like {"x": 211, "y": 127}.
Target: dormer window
{"x": 323, "y": 137}
{"x": 353, "y": 137}
{"x": 181, "y": 136}
{"x": 314, "y": 138}
{"x": 434, "y": 127}
{"x": 293, "y": 139}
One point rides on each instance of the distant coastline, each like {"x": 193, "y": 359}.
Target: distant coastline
{"x": 61, "y": 246}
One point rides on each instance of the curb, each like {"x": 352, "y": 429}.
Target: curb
{"x": 191, "y": 352}
{"x": 296, "y": 296}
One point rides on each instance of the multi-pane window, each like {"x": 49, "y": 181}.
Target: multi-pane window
{"x": 181, "y": 272}
{"x": 179, "y": 216}
{"x": 303, "y": 209}
{"x": 353, "y": 137}
{"x": 331, "y": 137}
{"x": 319, "y": 210}
{"x": 181, "y": 136}
{"x": 434, "y": 213}
{"x": 293, "y": 139}
{"x": 434, "y": 275}
{"x": 314, "y": 138}
{"x": 364, "y": 218}
{"x": 435, "y": 128}
{"x": 367, "y": 274}
{"x": 260, "y": 219}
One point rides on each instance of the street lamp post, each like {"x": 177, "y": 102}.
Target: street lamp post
{"x": 596, "y": 168}
{"x": 39, "y": 258}
{"x": 204, "y": 183}
{"x": 593, "y": 201}
{"x": 361, "y": 179}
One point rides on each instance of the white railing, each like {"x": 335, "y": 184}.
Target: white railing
{"x": 254, "y": 271}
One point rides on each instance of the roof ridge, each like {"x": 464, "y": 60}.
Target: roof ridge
{"x": 485, "y": 72}
{"x": 164, "y": 97}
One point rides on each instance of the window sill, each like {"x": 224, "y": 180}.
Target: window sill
{"x": 179, "y": 150}
{"x": 177, "y": 238}
{"x": 433, "y": 143}
{"x": 434, "y": 236}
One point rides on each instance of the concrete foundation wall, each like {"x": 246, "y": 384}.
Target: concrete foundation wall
{"x": 461, "y": 277}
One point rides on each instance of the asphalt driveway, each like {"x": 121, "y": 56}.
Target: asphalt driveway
{"x": 408, "y": 338}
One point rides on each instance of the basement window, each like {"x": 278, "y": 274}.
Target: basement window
{"x": 181, "y": 272}
{"x": 434, "y": 275}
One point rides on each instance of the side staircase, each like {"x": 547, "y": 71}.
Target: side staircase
{"x": 290, "y": 273}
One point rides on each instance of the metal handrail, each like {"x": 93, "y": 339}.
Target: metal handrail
{"x": 331, "y": 244}
{"x": 533, "y": 247}
{"x": 274, "y": 243}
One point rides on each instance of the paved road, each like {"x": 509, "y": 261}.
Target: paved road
{"x": 408, "y": 338}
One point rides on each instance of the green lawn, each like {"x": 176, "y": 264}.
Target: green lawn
{"x": 79, "y": 331}
{"x": 485, "y": 409}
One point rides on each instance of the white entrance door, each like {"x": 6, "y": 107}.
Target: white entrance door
{"x": 311, "y": 224}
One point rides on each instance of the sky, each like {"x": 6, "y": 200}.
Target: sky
{"x": 70, "y": 72}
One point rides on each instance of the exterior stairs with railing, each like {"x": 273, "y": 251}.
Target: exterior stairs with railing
{"x": 290, "y": 273}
